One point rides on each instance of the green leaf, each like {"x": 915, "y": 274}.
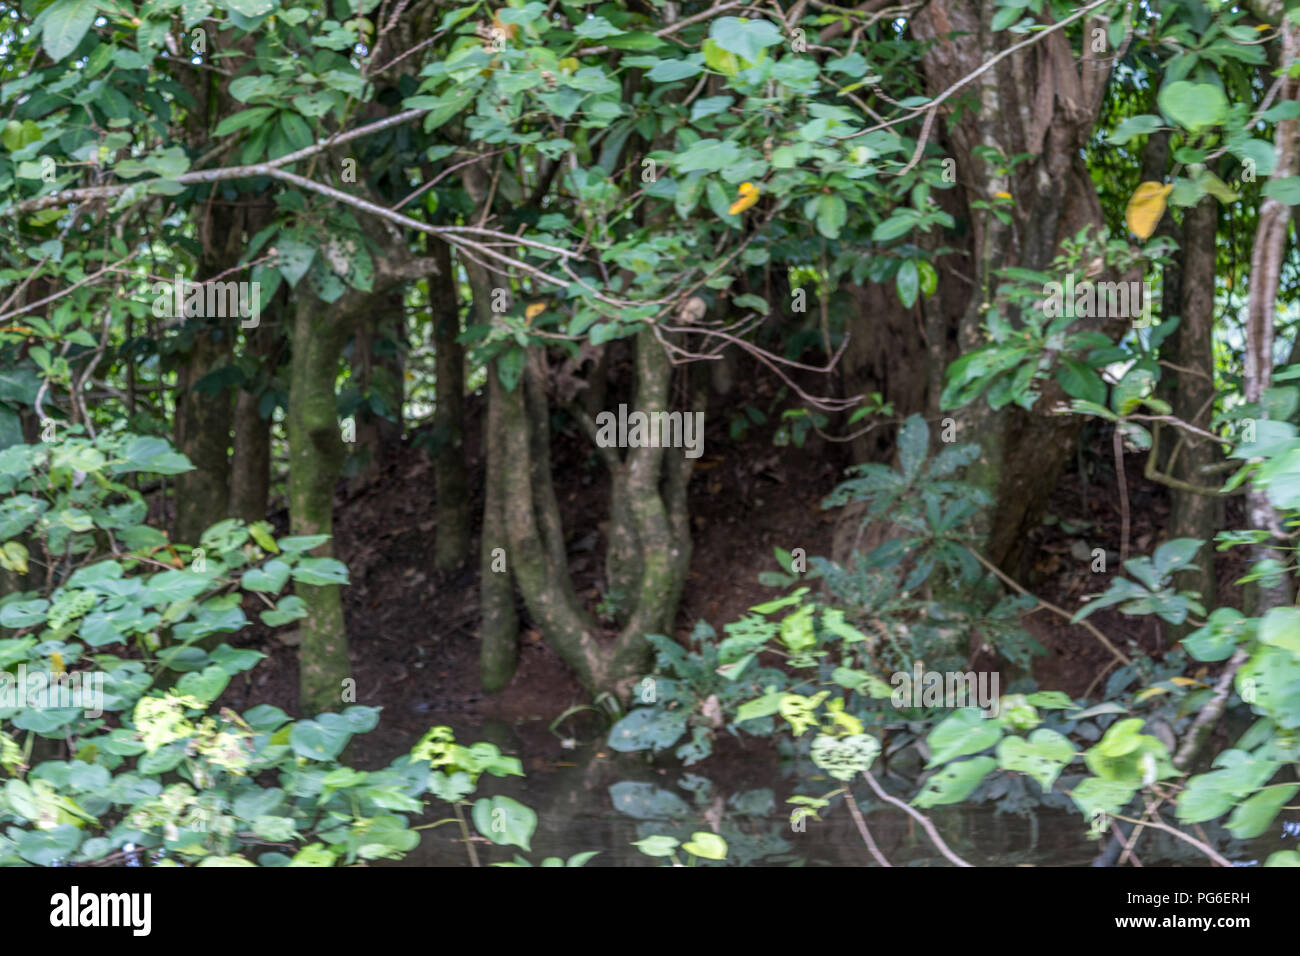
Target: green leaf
{"x": 745, "y": 38}
{"x": 908, "y": 283}
{"x": 1285, "y": 190}
{"x": 1193, "y": 106}
{"x": 271, "y": 577}
{"x": 317, "y": 741}
{"x": 1042, "y": 756}
{"x": 1081, "y": 382}
{"x": 289, "y": 608}
{"x": 64, "y": 23}
{"x": 505, "y": 821}
{"x": 242, "y": 120}
{"x": 320, "y": 571}
{"x": 648, "y": 728}
{"x": 954, "y": 782}
{"x": 1254, "y": 815}
{"x": 657, "y": 845}
{"x": 707, "y": 846}
{"x": 831, "y": 215}
{"x": 1134, "y": 126}
{"x": 965, "y": 732}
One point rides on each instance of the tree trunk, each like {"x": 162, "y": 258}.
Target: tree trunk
{"x": 1034, "y": 102}
{"x": 1261, "y": 309}
{"x": 498, "y": 619}
{"x": 377, "y": 375}
{"x": 1191, "y": 347}
{"x": 250, "y": 463}
{"x": 315, "y": 461}
{"x": 653, "y": 481}
{"x": 451, "y": 475}
{"x": 203, "y": 434}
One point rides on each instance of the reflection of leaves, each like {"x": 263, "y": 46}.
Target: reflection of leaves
{"x": 648, "y": 728}
{"x": 645, "y": 801}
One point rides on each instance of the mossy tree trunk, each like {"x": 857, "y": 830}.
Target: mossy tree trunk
{"x": 316, "y": 455}
{"x": 451, "y": 474}
{"x": 315, "y": 460}
{"x": 498, "y": 619}
{"x": 652, "y": 522}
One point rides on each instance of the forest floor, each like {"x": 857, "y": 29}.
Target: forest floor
{"x": 413, "y": 631}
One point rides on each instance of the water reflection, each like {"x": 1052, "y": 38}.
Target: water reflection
{"x": 593, "y": 798}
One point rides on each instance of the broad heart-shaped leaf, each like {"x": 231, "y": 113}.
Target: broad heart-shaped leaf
{"x": 270, "y": 577}
{"x": 295, "y": 259}
{"x": 505, "y": 821}
{"x": 1253, "y": 816}
{"x": 706, "y": 845}
{"x": 251, "y": 8}
{"x": 1280, "y": 627}
{"x": 954, "y": 782}
{"x": 657, "y": 845}
{"x": 320, "y": 571}
{"x": 645, "y": 801}
{"x": 965, "y": 732}
{"x": 1193, "y": 106}
{"x": 64, "y": 23}
{"x": 1175, "y": 555}
{"x": 1270, "y": 683}
{"x": 1205, "y": 798}
{"x": 24, "y": 613}
{"x": 1218, "y": 638}
{"x": 831, "y": 216}
{"x": 1095, "y": 795}
{"x": 206, "y": 684}
{"x": 289, "y": 608}
{"x": 648, "y": 728}
{"x": 316, "y": 741}
{"x": 46, "y": 847}
{"x": 845, "y": 757}
{"x": 1041, "y": 756}
{"x": 153, "y": 455}
{"x": 745, "y": 38}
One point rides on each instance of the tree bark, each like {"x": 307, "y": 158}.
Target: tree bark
{"x": 1191, "y": 347}
{"x": 250, "y": 463}
{"x": 1035, "y": 102}
{"x": 315, "y": 461}
{"x": 1261, "y": 308}
{"x": 451, "y": 475}
{"x": 202, "y": 433}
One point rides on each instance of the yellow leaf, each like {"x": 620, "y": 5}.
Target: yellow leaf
{"x": 56, "y": 660}
{"x": 1002, "y": 195}
{"x": 1185, "y": 682}
{"x": 570, "y": 64}
{"x": 13, "y": 557}
{"x": 748, "y": 194}
{"x": 1145, "y": 207}
{"x": 534, "y": 310}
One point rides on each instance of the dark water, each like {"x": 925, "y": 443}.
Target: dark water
{"x": 593, "y": 798}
